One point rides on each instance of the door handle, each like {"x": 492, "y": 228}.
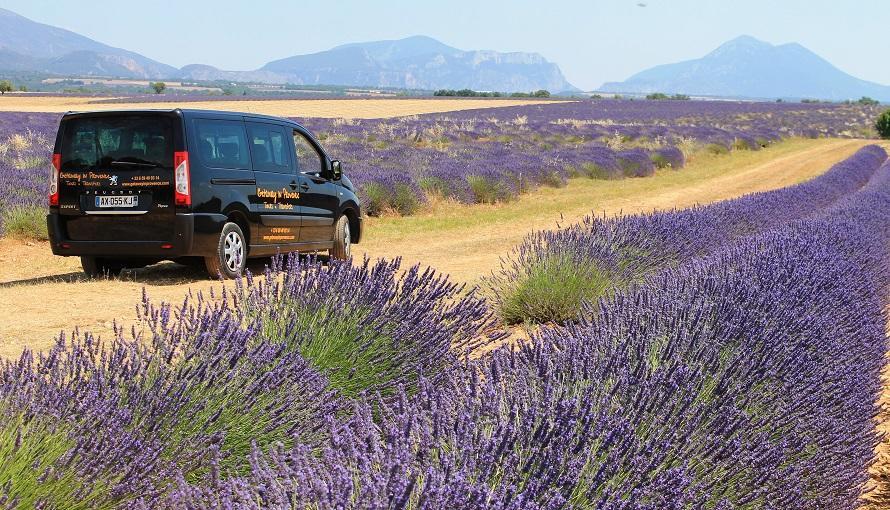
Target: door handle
{"x": 293, "y": 184}
{"x": 304, "y": 187}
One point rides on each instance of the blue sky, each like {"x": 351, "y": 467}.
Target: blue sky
{"x": 592, "y": 41}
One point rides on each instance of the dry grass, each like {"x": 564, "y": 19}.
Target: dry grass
{"x": 41, "y": 295}
{"x": 323, "y": 108}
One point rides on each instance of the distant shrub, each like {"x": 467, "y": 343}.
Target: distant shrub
{"x": 635, "y": 163}
{"x": 717, "y": 148}
{"x": 399, "y": 198}
{"x": 159, "y": 87}
{"x": 867, "y": 101}
{"x": 660, "y": 96}
{"x": 537, "y": 93}
{"x": 465, "y": 93}
{"x": 882, "y": 125}
{"x": 601, "y": 171}
{"x": 24, "y": 222}
{"x": 488, "y": 189}
{"x": 668, "y": 157}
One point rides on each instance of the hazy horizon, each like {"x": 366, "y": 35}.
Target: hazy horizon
{"x": 592, "y": 42}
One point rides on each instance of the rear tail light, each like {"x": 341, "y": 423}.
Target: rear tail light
{"x": 181, "y": 181}
{"x": 54, "y": 180}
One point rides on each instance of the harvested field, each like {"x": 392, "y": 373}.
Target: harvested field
{"x": 321, "y": 108}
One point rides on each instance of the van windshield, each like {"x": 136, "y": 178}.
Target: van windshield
{"x": 129, "y": 141}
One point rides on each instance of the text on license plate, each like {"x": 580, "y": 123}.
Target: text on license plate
{"x": 118, "y": 201}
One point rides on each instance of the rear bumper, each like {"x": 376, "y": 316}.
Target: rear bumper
{"x": 194, "y": 235}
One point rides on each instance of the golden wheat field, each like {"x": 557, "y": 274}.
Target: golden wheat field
{"x": 321, "y": 108}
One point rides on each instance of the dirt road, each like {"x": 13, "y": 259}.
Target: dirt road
{"x": 41, "y": 295}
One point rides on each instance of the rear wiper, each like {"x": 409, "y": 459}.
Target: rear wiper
{"x": 135, "y": 163}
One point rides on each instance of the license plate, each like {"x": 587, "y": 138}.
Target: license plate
{"x": 118, "y": 201}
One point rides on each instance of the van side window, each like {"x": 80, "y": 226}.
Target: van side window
{"x": 308, "y": 159}
{"x": 222, "y": 143}
{"x": 269, "y": 148}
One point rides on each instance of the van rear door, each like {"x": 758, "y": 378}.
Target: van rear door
{"x": 116, "y": 175}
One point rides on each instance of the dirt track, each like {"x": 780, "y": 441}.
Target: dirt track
{"x": 41, "y": 295}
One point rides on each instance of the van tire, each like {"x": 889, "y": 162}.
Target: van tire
{"x": 342, "y": 249}
{"x": 95, "y": 267}
{"x": 231, "y": 253}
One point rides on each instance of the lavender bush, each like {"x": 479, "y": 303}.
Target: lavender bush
{"x": 368, "y": 328}
{"x": 546, "y": 277}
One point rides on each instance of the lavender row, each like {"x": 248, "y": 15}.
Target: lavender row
{"x": 546, "y": 277}
{"x": 25, "y": 153}
{"x": 747, "y": 378}
{"x": 492, "y": 155}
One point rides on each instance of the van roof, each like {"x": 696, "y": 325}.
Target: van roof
{"x": 184, "y": 112}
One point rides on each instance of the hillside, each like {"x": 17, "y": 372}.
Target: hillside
{"x": 417, "y": 62}
{"x": 749, "y": 68}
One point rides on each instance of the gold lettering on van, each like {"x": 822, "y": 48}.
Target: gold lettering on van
{"x": 276, "y": 195}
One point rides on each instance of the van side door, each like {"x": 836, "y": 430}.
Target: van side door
{"x": 277, "y": 186}
{"x": 319, "y": 202}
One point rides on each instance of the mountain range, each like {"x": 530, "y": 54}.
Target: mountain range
{"x": 415, "y": 62}
{"x": 741, "y": 68}
{"x": 746, "y": 67}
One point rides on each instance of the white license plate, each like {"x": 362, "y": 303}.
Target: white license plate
{"x": 117, "y": 201}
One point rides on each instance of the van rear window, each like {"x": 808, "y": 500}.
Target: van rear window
{"x": 222, "y": 143}
{"x": 101, "y": 142}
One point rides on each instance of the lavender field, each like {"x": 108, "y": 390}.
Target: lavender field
{"x": 488, "y": 155}
{"x": 737, "y": 369}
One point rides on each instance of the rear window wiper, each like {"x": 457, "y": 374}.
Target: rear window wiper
{"x": 135, "y": 163}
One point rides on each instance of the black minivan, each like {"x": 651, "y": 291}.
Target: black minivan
{"x": 131, "y": 188}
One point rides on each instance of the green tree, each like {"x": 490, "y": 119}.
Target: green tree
{"x": 867, "y": 101}
{"x": 541, "y": 93}
{"x": 883, "y": 125}
{"x": 158, "y": 86}
{"x": 5, "y": 86}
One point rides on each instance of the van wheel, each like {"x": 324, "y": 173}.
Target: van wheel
{"x": 342, "y": 249}
{"x": 231, "y": 253}
{"x": 96, "y": 266}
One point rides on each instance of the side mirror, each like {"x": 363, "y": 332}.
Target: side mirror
{"x": 336, "y": 169}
